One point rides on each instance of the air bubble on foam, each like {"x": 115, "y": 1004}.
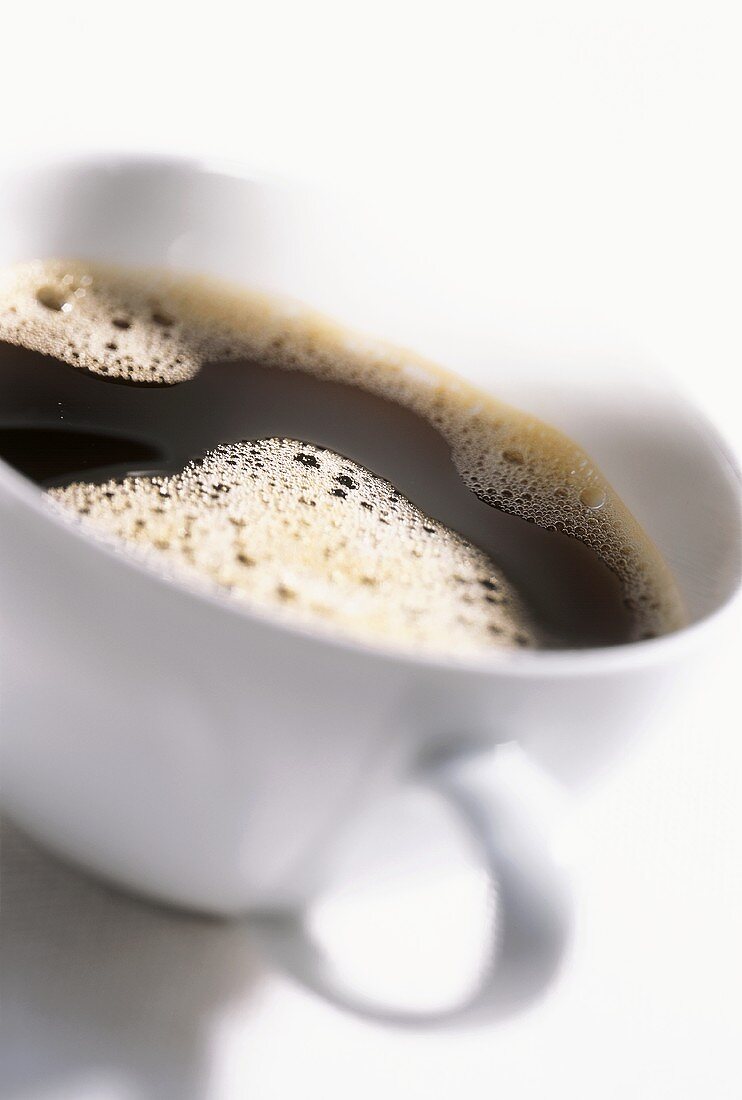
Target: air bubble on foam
{"x": 52, "y": 297}
{"x": 513, "y": 456}
{"x": 593, "y": 497}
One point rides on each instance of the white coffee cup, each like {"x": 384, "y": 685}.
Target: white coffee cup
{"x": 206, "y": 756}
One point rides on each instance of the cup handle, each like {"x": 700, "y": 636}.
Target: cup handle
{"x": 532, "y": 902}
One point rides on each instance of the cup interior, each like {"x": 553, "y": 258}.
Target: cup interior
{"x": 666, "y": 461}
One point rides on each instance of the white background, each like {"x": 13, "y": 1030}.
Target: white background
{"x": 578, "y": 166}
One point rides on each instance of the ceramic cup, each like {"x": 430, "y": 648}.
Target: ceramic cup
{"x": 206, "y": 756}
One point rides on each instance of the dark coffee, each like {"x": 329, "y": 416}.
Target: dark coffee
{"x": 266, "y": 452}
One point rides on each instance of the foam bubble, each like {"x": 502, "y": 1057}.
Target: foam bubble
{"x": 159, "y": 328}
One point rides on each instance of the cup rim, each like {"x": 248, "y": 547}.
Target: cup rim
{"x": 521, "y": 663}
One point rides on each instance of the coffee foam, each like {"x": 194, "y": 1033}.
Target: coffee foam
{"x": 105, "y": 323}
{"x": 159, "y": 329}
{"x": 283, "y": 524}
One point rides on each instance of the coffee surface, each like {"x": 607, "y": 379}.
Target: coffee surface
{"x": 248, "y": 444}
